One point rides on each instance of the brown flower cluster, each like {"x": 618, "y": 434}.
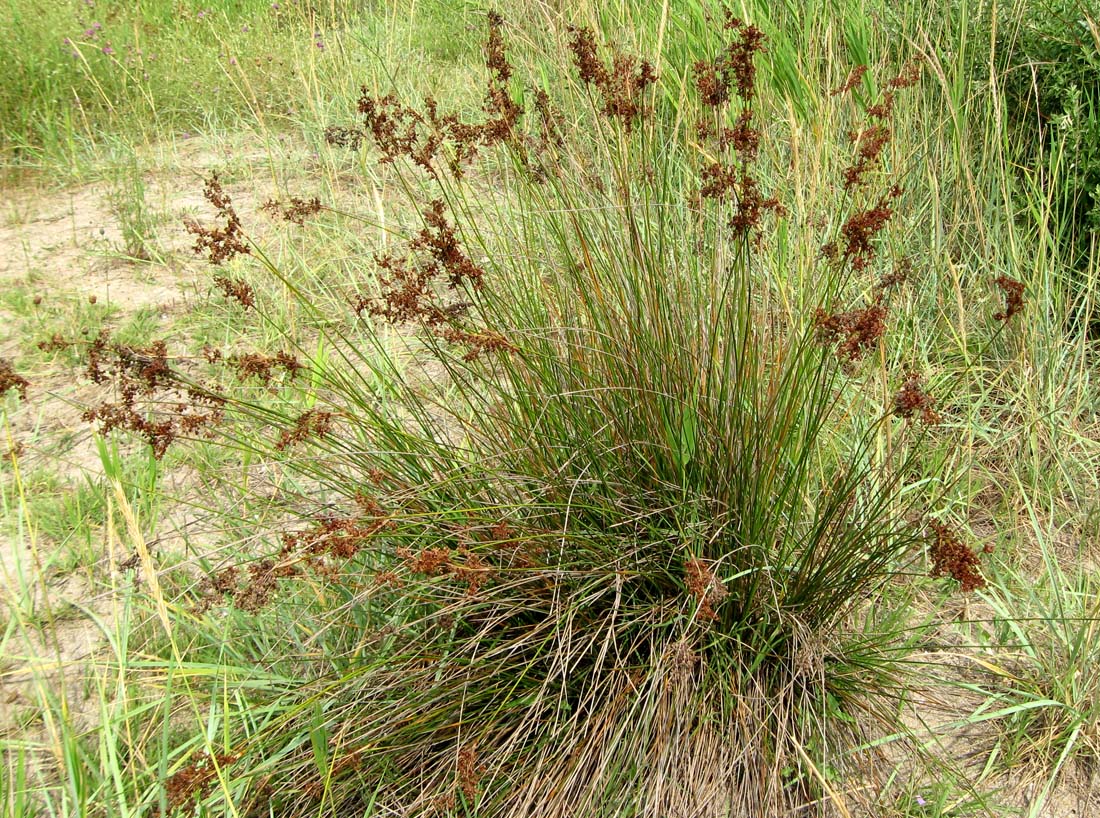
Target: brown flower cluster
{"x": 871, "y": 140}
{"x": 477, "y": 343}
{"x": 414, "y": 288}
{"x": 145, "y": 380}
{"x": 621, "y": 85}
{"x": 469, "y": 772}
{"x": 400, "y": 130}
{"x": 681, "y": 659}
{"x": 237, "y": 289}
{"x": 723, "y": 183}
{"x": 707, "y": 589}
{"x": 340, "y": 538}
{"x": 312, "y": 423}
{"x": 262, "y": 367}
{"x": 869, "y": 144}
{"x": 859, "y": 232}
{"x": 195, "y": 780}
{"x": 1013, "y": 291}
{"x": 219, "y": 243}
{"x": 716, "y": 80}
{"x": 735, "y": 66}
{"x": 408, "y": 291}
{"x": 295, "y": 210}
{"x": 393, "y": 127}
{"x": 462, "y": 564}
{"x": 903, "y": 268}
{"x": 952, "y": 558}
{"x": 855, "y": 77}
{"x": 439, "y": 241}
{"x": 912, "y": 400}
{"x": 9, "y": 379}
{"x": 854, "y": 332}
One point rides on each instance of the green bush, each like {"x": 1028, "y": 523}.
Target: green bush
{"x": 1047, "y": 56}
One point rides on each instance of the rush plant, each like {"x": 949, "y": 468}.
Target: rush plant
{"x": 602, "y": 512}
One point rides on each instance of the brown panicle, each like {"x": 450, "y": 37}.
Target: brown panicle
{"x": 952, "y": 558}
{"x": 219, "y": 243}
{"x": 10, "y": 380}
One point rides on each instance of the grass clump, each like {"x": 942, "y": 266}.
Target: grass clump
{"x": 600, "y": 491}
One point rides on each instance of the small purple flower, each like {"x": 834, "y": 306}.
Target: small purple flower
{"x": 232, "y": 60}
{"x": 108, "y": 50}
{"x": 245, "y": 29}
{"x": 320, "y": 45}
{"x": 67, "y": 41}
{"x": 89, "y": 33}
{"x": 921, "y": 802}
{"x": 274, "y": 6}
{"x": 185, "y": 135}
{"x": 201, "y": 14}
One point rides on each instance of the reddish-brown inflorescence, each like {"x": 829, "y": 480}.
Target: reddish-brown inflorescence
{"x": 504, "y": 112}
{"x": 495, "y": 60}
{"x": 219, "y": 243}
{"x": 9, "y": 379}
{"x": 393, "y": 127}
{"x": 869, "y": 145}
{"x": 871, "y": 140}
{"x": 707, "y": 589}
{"x": 339, "y": 537}
{"x": 469, "y": 771}
{"x": 952, "y": 558}
{"x": 438, "y": 238}
{"x": 741, "y": 56}
{"x": 238, "y": 289}
{"x": 735, "y": 66}
{"x": 751, "y": 206}
{"x": 855, "y": 77}
{"x": 195, "y": 779}
{"x": 314, "y": 423}
{"x": 144, "y": 373}
{"x": 716, "y": 80}
{"x": 477, "y": 342}
{"x": 912, "y": 399}
{"x": 903, "y": 268}
{"x": 742, "y": 137}
{"x": 1013, "y": 291}
{"x": 854, "y": 332}
{"x": 622, "y": 86}
{"x": 295, "y": 210}
{"x": 262, "y": 367}
{"x": 907, "y": 77}
{"x": 400, "y": 130}
{"x": 861, "y": 228}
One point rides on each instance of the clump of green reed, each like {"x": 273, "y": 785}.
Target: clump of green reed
{"x": 1041, "y": 682}
{"x": 126, "y": 200}
{"x": 590, "y": 537}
